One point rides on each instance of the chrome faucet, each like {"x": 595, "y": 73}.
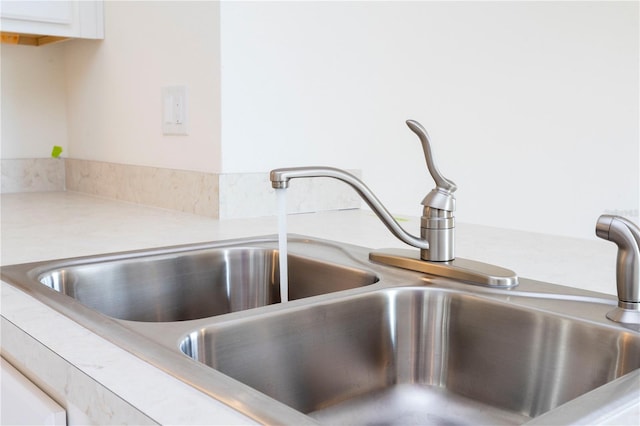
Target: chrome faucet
{"x": 437, "y": 223}
{"x": 626, "y": 235}
{"x": 436, "y": 241}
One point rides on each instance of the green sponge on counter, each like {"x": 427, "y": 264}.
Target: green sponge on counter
{"x": 57, "y": 150}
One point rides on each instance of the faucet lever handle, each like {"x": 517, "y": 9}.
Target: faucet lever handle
{"x": 442, "y": 182}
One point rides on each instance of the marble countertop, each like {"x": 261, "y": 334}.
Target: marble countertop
{"x": 43, "y": 226}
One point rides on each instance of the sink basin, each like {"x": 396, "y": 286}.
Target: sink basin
{"x": 374, "y": 344}
{"x": 417, "y": 356}
{"x": 196, "y": 284}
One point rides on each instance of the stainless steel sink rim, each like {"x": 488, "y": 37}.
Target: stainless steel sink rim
{"x": 165, "y": 355}
{"x": 197, "y": 284}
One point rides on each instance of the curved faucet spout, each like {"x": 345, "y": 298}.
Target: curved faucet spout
{"x": 280, "y": 179}
{"x": 437, "y": 227}
{"x": 436, "y": 241}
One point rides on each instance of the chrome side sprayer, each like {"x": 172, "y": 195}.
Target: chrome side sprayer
{"x": 626, "y": 235}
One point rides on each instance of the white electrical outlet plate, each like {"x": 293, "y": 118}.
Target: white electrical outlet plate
{"x": 174, "y": 110}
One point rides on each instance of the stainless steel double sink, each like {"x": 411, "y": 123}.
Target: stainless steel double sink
{"x": 358, "y": 343}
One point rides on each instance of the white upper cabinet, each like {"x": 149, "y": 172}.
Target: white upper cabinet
{"x": 40, "y": 22}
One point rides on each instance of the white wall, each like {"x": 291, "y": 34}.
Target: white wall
{"x": 34, "y": 116}
{"x": 114, "y": 86}
{"x": 101, "y": 100}
{"x": 532, "y": 106}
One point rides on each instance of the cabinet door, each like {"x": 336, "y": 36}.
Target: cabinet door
{"x": 55, "y": 12}
{"x": 70, "y": 19}
{"x": 23, "y": 403}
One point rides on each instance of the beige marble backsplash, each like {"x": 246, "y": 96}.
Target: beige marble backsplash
{"x": 32, "y": 175}
{"x": 223, "y": 196}
{"x": 186, "y": 191}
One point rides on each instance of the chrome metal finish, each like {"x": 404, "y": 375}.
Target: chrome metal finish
{"x": 442, "y": 183}
{"x": 410, "y": 343}
{"x": 615, "y": 396}
{"x": 196, "y": 284}
{"x": 280, "y": 179}
{"x": 437, "y": 225}
{"x": 466, "y": 270}
{"x": 626, "y": 235}
{"x": 439, "y": 204}
{"x": 417, "y": 356}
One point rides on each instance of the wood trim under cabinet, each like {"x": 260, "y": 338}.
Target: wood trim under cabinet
{"x": 29, "y": 39}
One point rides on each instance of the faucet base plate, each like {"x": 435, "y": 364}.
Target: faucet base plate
{"x": 469, "y": 271}
{"x": 629, "y": 317}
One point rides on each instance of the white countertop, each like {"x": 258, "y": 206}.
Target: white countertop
{"x": 43, "y": 226}
{"x": 48, "y": 225}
